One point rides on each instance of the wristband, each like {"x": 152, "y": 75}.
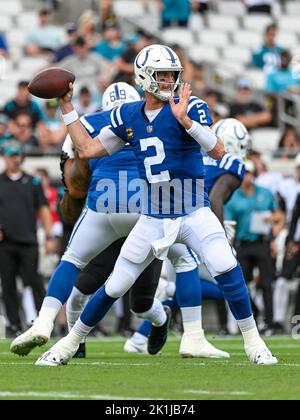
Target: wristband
{"x": 203, "y": 136}
{"x": 70, "y": 117}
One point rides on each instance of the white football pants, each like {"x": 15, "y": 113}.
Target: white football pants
{"x": 200, "y": 231}
{"x": 183, "y": 259}
{"x": 94, "y": 232}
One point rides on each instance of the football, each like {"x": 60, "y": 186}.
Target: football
{"x": 51, "y": 83}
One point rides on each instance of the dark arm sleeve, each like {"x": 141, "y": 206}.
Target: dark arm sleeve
{"x": 294, "y": 221}
{"x": 221, "y": 192}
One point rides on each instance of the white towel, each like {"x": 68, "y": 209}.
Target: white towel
{"x": 161, "y": 246}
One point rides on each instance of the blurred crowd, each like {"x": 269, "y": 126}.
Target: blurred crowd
{"x": 98, "y": 53}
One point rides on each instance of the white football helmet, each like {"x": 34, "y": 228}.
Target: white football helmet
{"x": 234, "y": 135}
{"x": 117, "y": 94}
{"x": 153, "y": 59}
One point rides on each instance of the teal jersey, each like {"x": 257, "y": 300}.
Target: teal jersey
{"x": 266, "y": 58}
{"x": 241, "y": 208}
{"x": 281, "y": 80}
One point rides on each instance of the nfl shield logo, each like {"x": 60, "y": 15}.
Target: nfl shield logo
{"x": 149, "y": 128}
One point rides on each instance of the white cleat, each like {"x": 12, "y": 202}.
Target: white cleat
{"x": 36, "y": 336}
{"x": 131, "y": 347}
{"x": 52, "y": 358}
{"x": 261, "y": 356}
{"x": 60, "y": 354}
{"x": 196, "y": 345}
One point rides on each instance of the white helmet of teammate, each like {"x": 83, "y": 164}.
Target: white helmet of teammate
{"x": 234, "y": 135}
{"x": 153, "y": 59}
{"x": 117, "y": 94}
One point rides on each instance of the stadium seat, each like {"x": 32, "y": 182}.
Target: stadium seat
{"x": 289, "y": 23}
{"x": 248, "y": 39}
{"x": 27, "y": 21}
{"x": 257, "y": 78}
{"x": 292, "y": 8}
{"x": 236, "y": 68}
{"x": 8, "y": 91}
{"x": 6, "y": 66}
{"x": 196, "y": 23}
{"x": 265, "y": 139}
{"x": 16, "y": 37}
{"x": 223, "y": 23}
{"x": 31, "y": 65}
{"x": 231, "y": 7}
{"x": 5, "y": 22}
{"x": 287, "y": 39}
{"x": 237, "y": 53}
{"x": 202, "y": 53}
{"x": 15, "y": 76}
{"x": 10, "y": 7}
{"x": 213, "y": 38}
{"x": 287, "y": 168}
{"x": 230, "y": 68}
{"x": 256, "y": 22}
{"x": 183, "y": 37}
{"x": 128, "y": 8}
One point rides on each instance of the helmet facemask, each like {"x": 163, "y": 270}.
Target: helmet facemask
{"x": 150, "y": 62}
{"x": 175, "y": 86}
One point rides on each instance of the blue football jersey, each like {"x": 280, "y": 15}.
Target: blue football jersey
{"x": 229, "y": 164}
{"x": 168, "y": 158}
{"x": 109, "y": 189}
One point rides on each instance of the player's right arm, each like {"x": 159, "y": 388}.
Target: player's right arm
{"x": 86, "y": 147}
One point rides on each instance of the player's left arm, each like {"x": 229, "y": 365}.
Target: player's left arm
{"x": 202, "y": 133}
{"x": 222, "y": 190}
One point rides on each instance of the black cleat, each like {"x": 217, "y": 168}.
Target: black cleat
{"x": 81, "y": 352}
{"x": 159, "y": 335}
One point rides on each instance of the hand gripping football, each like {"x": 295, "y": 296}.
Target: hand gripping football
{"x": 51, "y": 83}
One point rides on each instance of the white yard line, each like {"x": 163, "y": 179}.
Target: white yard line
{"x": 205, "y": 392}
{"x": 190, "y": 362}
{"x": 113, "y": 364}
{"x": 68, "y": 395}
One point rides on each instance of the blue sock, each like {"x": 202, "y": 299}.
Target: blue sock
{"x": 97, "y": 307}
{"x": 188, "y": 289}
{"x": 171, "y": 303}
{"x": 211, "y": 291}
{"x": 62, "y": 281}
{"x": 145, "y": 328}
{"x": 236, "y": 292}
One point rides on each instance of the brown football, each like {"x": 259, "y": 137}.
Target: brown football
{"x": 51, "y": 83}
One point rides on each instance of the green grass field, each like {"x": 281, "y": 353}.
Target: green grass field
{"x": 110, "y": 374}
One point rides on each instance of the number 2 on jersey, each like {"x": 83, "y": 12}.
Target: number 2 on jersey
{"x": 154, "y": 160}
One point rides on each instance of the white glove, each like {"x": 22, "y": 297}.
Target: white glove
{"x": 229, "y": 226}
{"x": 68, "y": 147}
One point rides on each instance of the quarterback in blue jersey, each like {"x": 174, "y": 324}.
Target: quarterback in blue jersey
{"x": 222, "y": 178}
{"x": 168, "y": 135}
